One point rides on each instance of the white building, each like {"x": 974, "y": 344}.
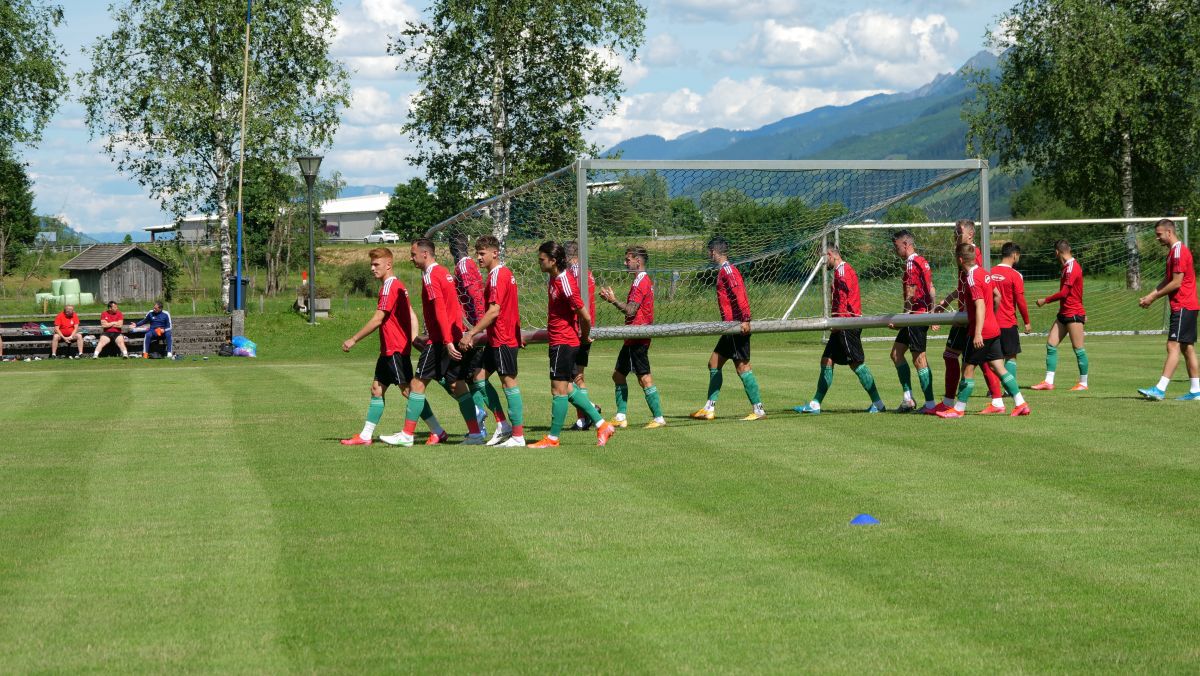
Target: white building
{"x": 348, "y": 218}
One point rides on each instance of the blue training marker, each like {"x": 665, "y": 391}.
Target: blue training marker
{"x": 864, "y": 520}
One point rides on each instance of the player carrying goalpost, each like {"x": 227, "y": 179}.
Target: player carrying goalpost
{"x": 916, "y": 288}
{"x": 1070, "y": 319}
{"x": 469, "y": 284}
{"x": 845, "y": 345}
{"x": 1179, "y": 286}
{"x": 638, "y": 309}
{"x": 1011, "y": 286}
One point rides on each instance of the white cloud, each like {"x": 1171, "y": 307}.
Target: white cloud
{"x": 371, "y": 105}
{"x": 664, "y": 51}
{"x": 730, "y": 10}
{"x": 362, "y": 36}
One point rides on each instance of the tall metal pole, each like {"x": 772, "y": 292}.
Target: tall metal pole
{"x": 312, "y": 258}
{"x": 985, "y": 220}
{"x": 238, "y": 300}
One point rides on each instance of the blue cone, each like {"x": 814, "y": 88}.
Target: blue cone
{"x": 864, "y": 520}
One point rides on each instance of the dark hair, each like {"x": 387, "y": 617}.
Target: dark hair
{"x": 571, "y": 248}
{"x": 1166, "y": 223}
{"x": 718, "y": 244}
{"x": 1062, "y": 246}
{"x": 487, "y": 242}
{"x": 903, "y": 235}
{"x": 158, "y": 305}
{"x": 964, "y": 224}
{"x": 965, "y": 251}
{"x": 458, "y": 245}
{"x": 426, "y": 244}
{"x": 640, "y": 252}
{"x": 555, "y": 252}
{"x": 110, "y": 303}
{"x": 1009, "y": 249}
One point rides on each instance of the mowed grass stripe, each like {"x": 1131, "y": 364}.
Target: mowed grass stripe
{"x": 172, "y": 566}
{"x": 387, "y": 570}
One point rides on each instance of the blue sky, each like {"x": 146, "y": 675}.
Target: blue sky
{"x": 706, "y": 63}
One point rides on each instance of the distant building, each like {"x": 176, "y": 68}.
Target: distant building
{"x": 119, "y": 272}
{"x": 348, "y": 218}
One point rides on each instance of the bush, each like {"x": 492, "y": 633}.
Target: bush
{"x": 357, "y": 280}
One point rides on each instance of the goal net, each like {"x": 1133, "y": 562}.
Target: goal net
{"x": 774, "y": 215}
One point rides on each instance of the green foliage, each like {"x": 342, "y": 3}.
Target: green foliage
{"x": 170, "y": 253}
{"x": 636, "y": 205}
{"x": 33, "y": 78}
{"x": 18, "y": 227}
{"x": 411, "y": 210}
{"x": 686, "y": 216}
{"x": 508, "y": 87}
{"x": 1036, "y": 201}
{"x": 128, "y": 239}
{"x": 905, "y": 213}
{"x": 357, "y": 280}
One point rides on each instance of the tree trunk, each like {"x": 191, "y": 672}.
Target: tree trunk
{"x": 221, "y": 161}
{"x": 1133, "y": 274}
{"x": 499, "y": 149}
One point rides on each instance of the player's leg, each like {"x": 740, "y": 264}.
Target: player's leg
{"x": 834, "y": 348}
{"x": 1193, "y": 368}
{"x": 122, "y": 346}
{"x": 621, "y": 370}
{"x": 716, "y": 361}
{"x": 1008, "y": 381}
{"x": 466, "y": 407}
{"x": 385, "y": 373}
{"x": 582, "y": 356}
{"x": 854, "y": 357}
{"x": 562, "y": 373}
{"x": 952, "y": 359}
{"x": 966, "y": 386}
{"x": 741, "y": 361}
{"x": 516, "y": 406}
{"x": 54, "y": 346}
{"x": 903, "y": 372}
{"x": 104, "y": 340}
{"x": 995, "y": 387}
{"x": 1075, "y": 330}
{"x": 1057, "y": 331}
{"x": 169, "y": 337}
{"x": 924, "y": 374}
{"x": 653, "y": 400}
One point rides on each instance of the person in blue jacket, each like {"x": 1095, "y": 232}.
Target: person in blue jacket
{"x": 158, "y": 328}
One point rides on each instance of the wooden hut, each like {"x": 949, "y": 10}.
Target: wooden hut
{"x": 120, "y": 272}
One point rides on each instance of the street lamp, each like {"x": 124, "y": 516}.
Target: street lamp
{"x": 309, "y": 166}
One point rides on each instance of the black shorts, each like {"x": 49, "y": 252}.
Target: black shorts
{"x": 501, "y": 360}
{"x": 472, "y": 361}
{"x": 989, "y": 352}
{"x": 393, "y": 369}
{"x": 581, "y": 355}
{"x": 844, "y": 347}
{"x": 914, "y": 337}
{"x": 562, "y": 362}
{"x": 435, "y": 364}
{"x": 958, "y": 338}
{"x": 1071, "y": 319}
{"x": 735, "y": 347}
{"x": 634, "y": 358}
{"x": 1183, "y": 327}
{"x": 1010, "y": 341}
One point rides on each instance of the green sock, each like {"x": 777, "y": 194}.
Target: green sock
{"x": 715, "y": 379}
{"x": 582, "y": 411}
{"x": 1051, "y": 358}
{"x": 965, "y": 387}
{"x": 824, "y": 380}
{"x": 1009, "y": 381}
{"x": 1011, "y": 367}
{"x": 558, "y": 413}
{"x": 622, "y": 398}
{"x": 493, "y": 397}
{"x": 1081, "y": 357}
{"x": 466, "y": 406}
{"x": 867, "y": 379}
{"x": 516, "y": 406}
{"x": 579, "y": 399}
{"x": 416, "y": 402}
{"x": 479, "y": 395}
{"x": 375, "y": 410}
{"x": 426, "y": 410}
{"x": 751, "y": 385}
{"x": 925, "y": 377}
{"x": 905, "y": 375}
{"x": 653, "y": 401}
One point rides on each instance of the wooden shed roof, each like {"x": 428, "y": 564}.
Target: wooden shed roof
{"x": 104, "y": 256}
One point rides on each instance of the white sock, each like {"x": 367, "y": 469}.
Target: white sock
{"x": 1083, "y": 380}
{"x": 758, "y": 408}
{"x": 551, "y": 437}
{"x": 960, "y": 406}
{"x": 1050, "y": 377}
{"x": 1195, "y": 385}
{"x": 660, "y": 420}
{"x": 998, "y": 403}
{"x": 814, "y": 405}
{"x": 367, "y": 430}
{"x": 947, "y": 402}
{"x": 710, "y": 405}
{"x": 520, "y": 439}
{"x": 1163, "y": 382}
{"x": 1018, "y": 399}
{"x": 619, "y": 417}
{"x": 908, "y": 395}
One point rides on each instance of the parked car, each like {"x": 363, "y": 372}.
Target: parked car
{"x": 382, "y": 237}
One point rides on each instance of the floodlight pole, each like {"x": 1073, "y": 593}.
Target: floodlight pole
{"x": 309, "y": 166}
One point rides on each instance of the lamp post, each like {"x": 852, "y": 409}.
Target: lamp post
{"x": 309, "y": 165}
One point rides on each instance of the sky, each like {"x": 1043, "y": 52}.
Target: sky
{"x": 737, "y": 64}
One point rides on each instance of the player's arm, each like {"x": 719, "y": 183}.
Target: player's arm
{"x": 1165, "y": 288}
{"x": 980, "y": 313}
{"x": 585, "y": 323}
{"x": 488, "y": 318}
{"x": 628, "y": 308}
{"x": 367, "y": 329}
{"x": 742, "y": 304}
{"x": 1064, "y": 289}
{"x": 945, "y": 304}
{"x": 1019, "y": 300}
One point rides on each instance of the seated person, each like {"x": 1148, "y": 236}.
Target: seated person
{"x": 110, "y": 323}
{"x": 66, "y": 329}
{"x": 158, "y": 330}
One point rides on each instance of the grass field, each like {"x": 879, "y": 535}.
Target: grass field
{"x": 200, "y": 516}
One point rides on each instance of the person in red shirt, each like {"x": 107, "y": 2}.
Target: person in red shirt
{"x": 983, "y": 345}
{"x": 582, "y": 422}
{"x": 569, "y": 325}
{"x": 66, "y": 330}
{"x": 1070, "y": 320}
{"x": 111, "y": 321}
{"x": 469, "y": 284}
{"x": 734, "y": 307}
{"x": 502, "y": 324}
{"x": 918, "y": 293}
{"x": 397, "y": 324}
{"x": 845, "y": 345}
{"x": 1011, "y": 287}
{"x": 638, "y": 309}
{"x": 1179, "y": 286}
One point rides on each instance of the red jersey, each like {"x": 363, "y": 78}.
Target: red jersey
{"x": 591, "y": 291}
{"x": 1070, "y": 290}
{"x": 395, "y": 334}
{"x": 844, "y": 300}
{"x": 1179, "y": 259}
{"x": 562, "y": 322}
{"x": 1012, "y": 295}
{"x": 117, "y": 317}
{"x": 502, "y": 291}
{"x": 67, "y": 325}
{"x": 439, "y": 304}
{"x": 917, "y": 274}
{"x": 731, "y": 294}
{"x": 469, "y": 283}
{"x": 641, "y": 292}
{"x": 979, "y": 287}
{"x": 962, "y": 279}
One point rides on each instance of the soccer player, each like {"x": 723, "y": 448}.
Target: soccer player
{"x": 983, "y": 346}
{"x": 397, "y": 324}
{"x": 569, "y": 324}
{"x": 845, "y": 345}
{"x": 1011, "y": 287}
{"x": 111, "y": 320}
{"x": 638, "y": 309}
{"x": 441, "y": 358}
{"x": 1070, "y": 320}
{"x": 1179, "y": 286}
{"x": 582, "y": 422}
{"x": 469, "y": 284}
{"x": 918, "y": 294}
{"x": 502, "y": 322}
{"x": 734, "y": 306}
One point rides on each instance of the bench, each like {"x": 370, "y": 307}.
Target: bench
{"x": 193, "y": 335}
